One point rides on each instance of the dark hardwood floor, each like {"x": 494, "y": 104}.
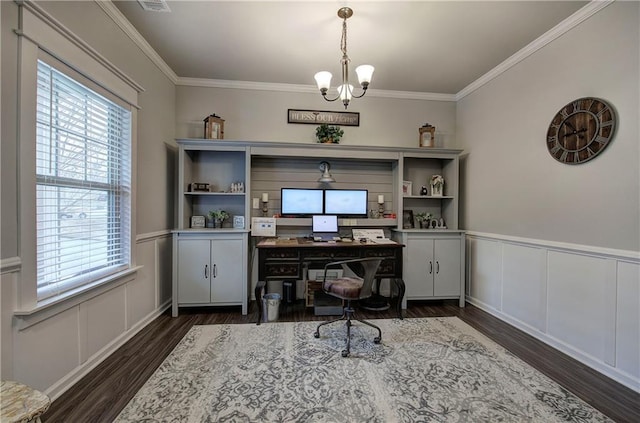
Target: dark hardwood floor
{"x": 103, "y": 393}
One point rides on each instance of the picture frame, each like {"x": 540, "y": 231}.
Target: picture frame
{"x": 238, "y": 222}
{"x": 407, "y": 219}
{"x": 407, "y": 188}
{"x": 317, "y": 117}
{"x": 198, "y": 221}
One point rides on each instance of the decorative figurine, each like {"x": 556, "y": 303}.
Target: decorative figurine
{"x": 423, "y": 190}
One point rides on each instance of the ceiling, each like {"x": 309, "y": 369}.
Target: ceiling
{"x": 415, "y": 46}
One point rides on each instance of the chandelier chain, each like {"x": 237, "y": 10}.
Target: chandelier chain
{"x": 343, "y": 41}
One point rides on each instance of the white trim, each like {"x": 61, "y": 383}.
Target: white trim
{"x": 10, "y": 265}
{"x": 572, "y": 21}
{"x": 625, "y": 255}
{"x": 149, "y": 236}
{"x": 307, "y": 89}
{"x": 615, "y": 374}
{"x": 31, "y": 28}
{"x": 73, "y": 377}
{"x": 126, "y": 26}
{"x": 56, "y": 305}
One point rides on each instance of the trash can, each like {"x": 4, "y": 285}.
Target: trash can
{"x": 270, "y": 307}
{"x": 289, "y": 289}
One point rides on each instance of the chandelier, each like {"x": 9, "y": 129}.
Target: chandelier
{"x": 364, "y": 72}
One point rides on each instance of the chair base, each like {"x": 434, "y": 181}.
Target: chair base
{"x": 348, "y": 315}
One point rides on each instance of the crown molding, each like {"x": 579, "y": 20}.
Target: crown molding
{"x": 307, "y": 89}
{"x": 572, "y": 21}
{"x": 126, "y": 26}
{"x": 593, "y": 7}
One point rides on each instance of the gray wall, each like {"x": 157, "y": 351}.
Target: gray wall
{"x": 56, "y": 350}
{"x": 511, "y": 184}
{"x": 262, "y": 116}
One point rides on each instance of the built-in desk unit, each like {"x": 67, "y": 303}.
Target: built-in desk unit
{"x": 213, "y": 266}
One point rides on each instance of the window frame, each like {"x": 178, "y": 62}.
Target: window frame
{"x": 41, "y": 36}
{"x": 56, "y": 288}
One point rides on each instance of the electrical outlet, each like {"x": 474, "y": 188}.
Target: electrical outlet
{"x": 256, "y": 203}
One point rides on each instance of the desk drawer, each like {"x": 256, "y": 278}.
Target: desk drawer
{"x": 388, "y": 265}
{"x": 329, "y": 254}
{"x": 281, "y": 254}
{"x": 279, "y": 270}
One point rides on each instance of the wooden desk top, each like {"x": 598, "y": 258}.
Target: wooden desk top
{"x": 305, "y": 243}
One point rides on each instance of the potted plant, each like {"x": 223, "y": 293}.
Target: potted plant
{"x": 329, "y": 134}
{"x": 218, "y": 217}
{"x": 423, "y": 219}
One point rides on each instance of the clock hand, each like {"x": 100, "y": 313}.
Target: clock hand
{"x": 575, "y": 132}
{"x": 570, "y": 125}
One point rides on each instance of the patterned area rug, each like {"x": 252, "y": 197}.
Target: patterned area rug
{"x": 425, "y": 370}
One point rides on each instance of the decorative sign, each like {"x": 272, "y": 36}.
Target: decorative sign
{"x": 317, "y": 117}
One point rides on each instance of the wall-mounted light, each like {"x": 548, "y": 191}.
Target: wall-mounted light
{"x": 265, "y": 204}
{"x": 326, "y": 176}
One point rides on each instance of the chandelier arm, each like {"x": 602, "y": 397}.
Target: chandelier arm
{"x": 364, "y": 91}
{"x": 324, "y": 95}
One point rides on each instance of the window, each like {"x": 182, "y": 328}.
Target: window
{"x": 83, "y": 184}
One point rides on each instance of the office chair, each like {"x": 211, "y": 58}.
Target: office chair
{"x": 349, "y": 288}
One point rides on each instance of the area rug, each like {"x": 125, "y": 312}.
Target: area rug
{"x": 425, "y": 370}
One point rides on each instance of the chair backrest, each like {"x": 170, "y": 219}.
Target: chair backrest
{"x": 365, "y": 268}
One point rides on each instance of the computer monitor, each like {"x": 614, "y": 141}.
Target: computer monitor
{"x": 324, "y": 224}
{"x": 346, "y": 202}
{"x": 301, "y": 201}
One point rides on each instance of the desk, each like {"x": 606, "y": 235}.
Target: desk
{"x": 286, "y": 260}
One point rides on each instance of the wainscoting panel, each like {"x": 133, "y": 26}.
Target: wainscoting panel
{"x": 581, "y": 300}
{"x": 48, "y": 350}
{"x": 141, "y": 293}
{"x": 577, "y": 313}
{"x": 628, "y": 319}
{"x": 53, "y": 351}
{"x": 101, "y": 320}
{"x": 485, "y": 263}
{"x": 524, "y": 293}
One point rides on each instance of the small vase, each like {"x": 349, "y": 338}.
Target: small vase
{"x": 217, "y": 223}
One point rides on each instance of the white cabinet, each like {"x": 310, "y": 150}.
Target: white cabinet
{"x": 210, "y": 270}
{"x": 434, "y": 266}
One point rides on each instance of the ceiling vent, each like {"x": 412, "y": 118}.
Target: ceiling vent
{"x": 154, "y": 5}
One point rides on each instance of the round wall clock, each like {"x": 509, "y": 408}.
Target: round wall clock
{"x": 581, "y": 130}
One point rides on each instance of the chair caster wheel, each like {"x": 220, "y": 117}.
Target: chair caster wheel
{"x": 316, "y": 335}
{"x": 377, "y": 340}
{"x": 345, "y": 353}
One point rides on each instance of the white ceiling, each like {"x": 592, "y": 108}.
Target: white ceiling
{"x": 415, "y": 46}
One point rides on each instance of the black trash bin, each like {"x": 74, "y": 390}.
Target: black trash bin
{"x": 289, "y": 291}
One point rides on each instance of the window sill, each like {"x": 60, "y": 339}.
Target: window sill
{"x": 51, "y": 306}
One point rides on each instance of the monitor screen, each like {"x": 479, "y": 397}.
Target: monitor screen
{"x": 346, "y": 202}
{"x": 301, "y": 201}
{"x": 324, "y": 223}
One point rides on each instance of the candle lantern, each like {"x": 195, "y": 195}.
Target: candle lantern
{"x": 213, "y": 127}
{"x": 427, "y": 135}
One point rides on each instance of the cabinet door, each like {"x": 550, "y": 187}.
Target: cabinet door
{"x": 447, "y": 267}
{"x": 194, "y": 272}
{"x": 418, "y": 275}
{"x": 227, "y": 262}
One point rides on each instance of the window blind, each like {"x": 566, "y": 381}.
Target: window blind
{"x": 83, "y": 184}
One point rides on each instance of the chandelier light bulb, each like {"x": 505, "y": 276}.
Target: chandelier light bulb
{"x": 323, "y": 79}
